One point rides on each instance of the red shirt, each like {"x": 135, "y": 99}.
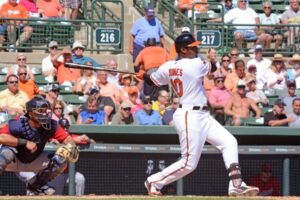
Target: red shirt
{"x": 270, "y": 188}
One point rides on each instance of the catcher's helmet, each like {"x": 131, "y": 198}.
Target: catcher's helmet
{"x": 41, "y": 110}
{"x": 185, "y": 40}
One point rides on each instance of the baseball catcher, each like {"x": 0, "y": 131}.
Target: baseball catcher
{"x": 23, "y": 141}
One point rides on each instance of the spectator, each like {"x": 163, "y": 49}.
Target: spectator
{"x": 224, "y": 68}
{"x": 239, "y": 105}
{"x": 113, "y": 77}
{"x": 295, "y": 115}
{"x": 21, "y": 63}
{"x": 208, "y": 81}
{"x": 125, "y": 81}
{"x": 167, "y": 118}
{"x": 58, "y": 114}
{"x": 276, "y": 117}
{"x": 294, "y": 73}
{"x": 72, "y": 5}
{"x": 12, "y": 9}
{"x": 186, "y": 6}
{"x": 261, "y": 64}
{"x": 238, "y": 74}
{"x": 267, "y": 183}
{"x": 49, "y": 8}
{"x": 148, "y": 61}
{"x": 291, "y": 16}
{"x": 219, "y": 97}
{"x": 270, "y": 32}
{"x": 27, "y": 85}
{"x": 30, "y": 7}
{"x": 65, "y": 76}
{"x": 12, "y": 100}
{"x": 48, "y": 70}
{"x": 228, "y": 5}
{"x": 276, "y": 76}
{"x": 252, "y": 70}
{"x": 162, "y": 102}
{"x": 253, "y": 93}
{"x": 234, "y": 56}
{"x": 124, "y": 116}
{"x": 212, "y": 57}
{"x": 87, "y": 80}
{"x": 146, "y": 27}
{"x": 148, "y": 116}
{"x": 92, "y": 115}
{"x": 53, "y": 93}
{"x": 78, "y": 57}
{"x": 290, "y": 96}
{"x": 133, "y": 97}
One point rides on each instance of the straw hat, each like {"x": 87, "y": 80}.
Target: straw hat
{"x": 278, "y": 57}
{"x": 296, "y": 57}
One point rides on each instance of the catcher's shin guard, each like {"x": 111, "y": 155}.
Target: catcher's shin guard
{"x": 56, "y": 166}
{"x": 235, "y": 174}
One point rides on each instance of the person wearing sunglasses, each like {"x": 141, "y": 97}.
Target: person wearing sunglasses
{"x": 218, "y": 97}
{"x": 224, "y": 68}
{"x": 28, "y": 85}
{"x": 12, "y": 100}
{"x": 78, "y": 57}
{"x": 276, "y": 75}
{"x": 21, "y": 63}
{"x": 48, "y": 69}
{"x": 124, "y": 116}
{"x": 270, "y": 32}
{"x": 148, "y": 116}
{"x": 255, "y": 94}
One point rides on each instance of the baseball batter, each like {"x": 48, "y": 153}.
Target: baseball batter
{"x": 23, "y": 141}
{"x": 193, "y": 122}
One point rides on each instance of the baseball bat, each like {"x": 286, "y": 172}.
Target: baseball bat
{"x": 80, "y": 66}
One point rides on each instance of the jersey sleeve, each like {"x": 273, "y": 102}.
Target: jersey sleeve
{"x": 60, "y": 135}
{"x": 5, "y": 130}
{"x": 161, "y": 76}
{"x": 203, "y": 66}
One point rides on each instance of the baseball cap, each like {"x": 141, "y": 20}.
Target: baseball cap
{"x": 77, "y": 44}
{"x": 241, "y": 83}
{"x": 53, "y": 44}
{"x": 54, "y": 87}
{"x": 150, "y": 11}
{"x": 126, "y": 104}
{"x": 187, "y": 39}
{"x": 94, "y": 90}
{"x": 266, "y": 167}
{"x": 218, "y": 75}
{"x": 258, "y": 47}
{"x": 185, "y": 29}
{"x": 291, "y": 83}
{"x": 279, "y": 102}
{"x": 249, "y": 79}
{"x": 133, "y": 90}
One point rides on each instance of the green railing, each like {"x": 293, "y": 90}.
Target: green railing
{"x": 65, "y": 32}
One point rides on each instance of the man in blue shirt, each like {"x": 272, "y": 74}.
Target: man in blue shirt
{"x": 146, "y": 27}
{"x": 147, "y": 116}
{"x": 78, "y": 57}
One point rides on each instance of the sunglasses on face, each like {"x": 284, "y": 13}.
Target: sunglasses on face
{"x": 55, "y": 91}
{"x": 252, "y": 82}
{"x": 127, "y": 109}
{"x": 78, "y": 48}
{"x": 147, "y": 102}
{"x": 175, "y": 103}
{"x": 13, "y": 82}
{"x": 58, "y": 108}
{"x": 267, "y": 7}
{"x": 234, "y": 54}
{"x": 55, "y": 47}
{"x": 241, "y": 87}
{"x": 21, "y": 59}
{"x": 219, "y": 81}
{"x": 22, "y": 74}
{"x": 226, "y": 60}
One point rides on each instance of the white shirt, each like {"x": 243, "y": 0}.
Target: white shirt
{"x": 261, "y": 67}
{"x": 47, "y": 65}
{"x": 113, "y": 79}
{"x": 186, "y": 77}
{"x": 239, "y": 16}
{"x": 272, "y": 77}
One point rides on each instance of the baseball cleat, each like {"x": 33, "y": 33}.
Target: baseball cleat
{"x": 243, "y": 191}
{"x": 45, "y": 190}
{"x": 152, "y": 191}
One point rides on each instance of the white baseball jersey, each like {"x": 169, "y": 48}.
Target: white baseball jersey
{"x": 186, "y": 76}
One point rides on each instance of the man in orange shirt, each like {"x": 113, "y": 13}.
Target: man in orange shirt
{"x": 65, "y": 75}
{"x": 233, "y": 78}
{"x": 28, "y": 85}
{"x": 148, "y": 61}
{"x": 12, "y": 9}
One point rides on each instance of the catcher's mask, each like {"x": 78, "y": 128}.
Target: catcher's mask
{"x": 41, "y": 111}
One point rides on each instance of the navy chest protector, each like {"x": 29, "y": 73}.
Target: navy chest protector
{"x": 21, "y": 129}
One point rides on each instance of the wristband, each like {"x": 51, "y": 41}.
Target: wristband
{"x": 21, "y": 142}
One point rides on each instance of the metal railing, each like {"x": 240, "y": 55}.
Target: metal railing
{"x": 65, "y": 32}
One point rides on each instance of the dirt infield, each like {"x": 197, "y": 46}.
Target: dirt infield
{"x": 123, "y": 197}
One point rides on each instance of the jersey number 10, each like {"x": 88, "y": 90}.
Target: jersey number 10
{"x": 177, "y": 86}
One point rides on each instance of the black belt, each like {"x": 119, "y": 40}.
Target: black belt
{"x": 196, "y": 107}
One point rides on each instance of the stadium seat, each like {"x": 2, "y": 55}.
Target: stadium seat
{"x": 252, "y": 121}
{"x": 74, "y": 99}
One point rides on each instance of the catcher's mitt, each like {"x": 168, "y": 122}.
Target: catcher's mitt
{"x": 69, "y": 151}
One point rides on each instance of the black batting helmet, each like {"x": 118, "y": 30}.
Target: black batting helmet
{"x": 186, "y": 40}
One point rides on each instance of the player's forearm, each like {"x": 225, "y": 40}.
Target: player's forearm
{"x": 69, "y": 139}
{"x": 8, "y": 140}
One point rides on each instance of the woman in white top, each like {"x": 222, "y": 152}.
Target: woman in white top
{"x": 277, "y": 74}
{"x": 86, "y": 81}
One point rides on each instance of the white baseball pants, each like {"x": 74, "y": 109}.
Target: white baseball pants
{"x": 194, "y": 128}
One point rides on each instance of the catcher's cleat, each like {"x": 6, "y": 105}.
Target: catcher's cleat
{"x": 152, "y": 191}
{"x": 243, "y": 190}
{"x": 45, "y": 190}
